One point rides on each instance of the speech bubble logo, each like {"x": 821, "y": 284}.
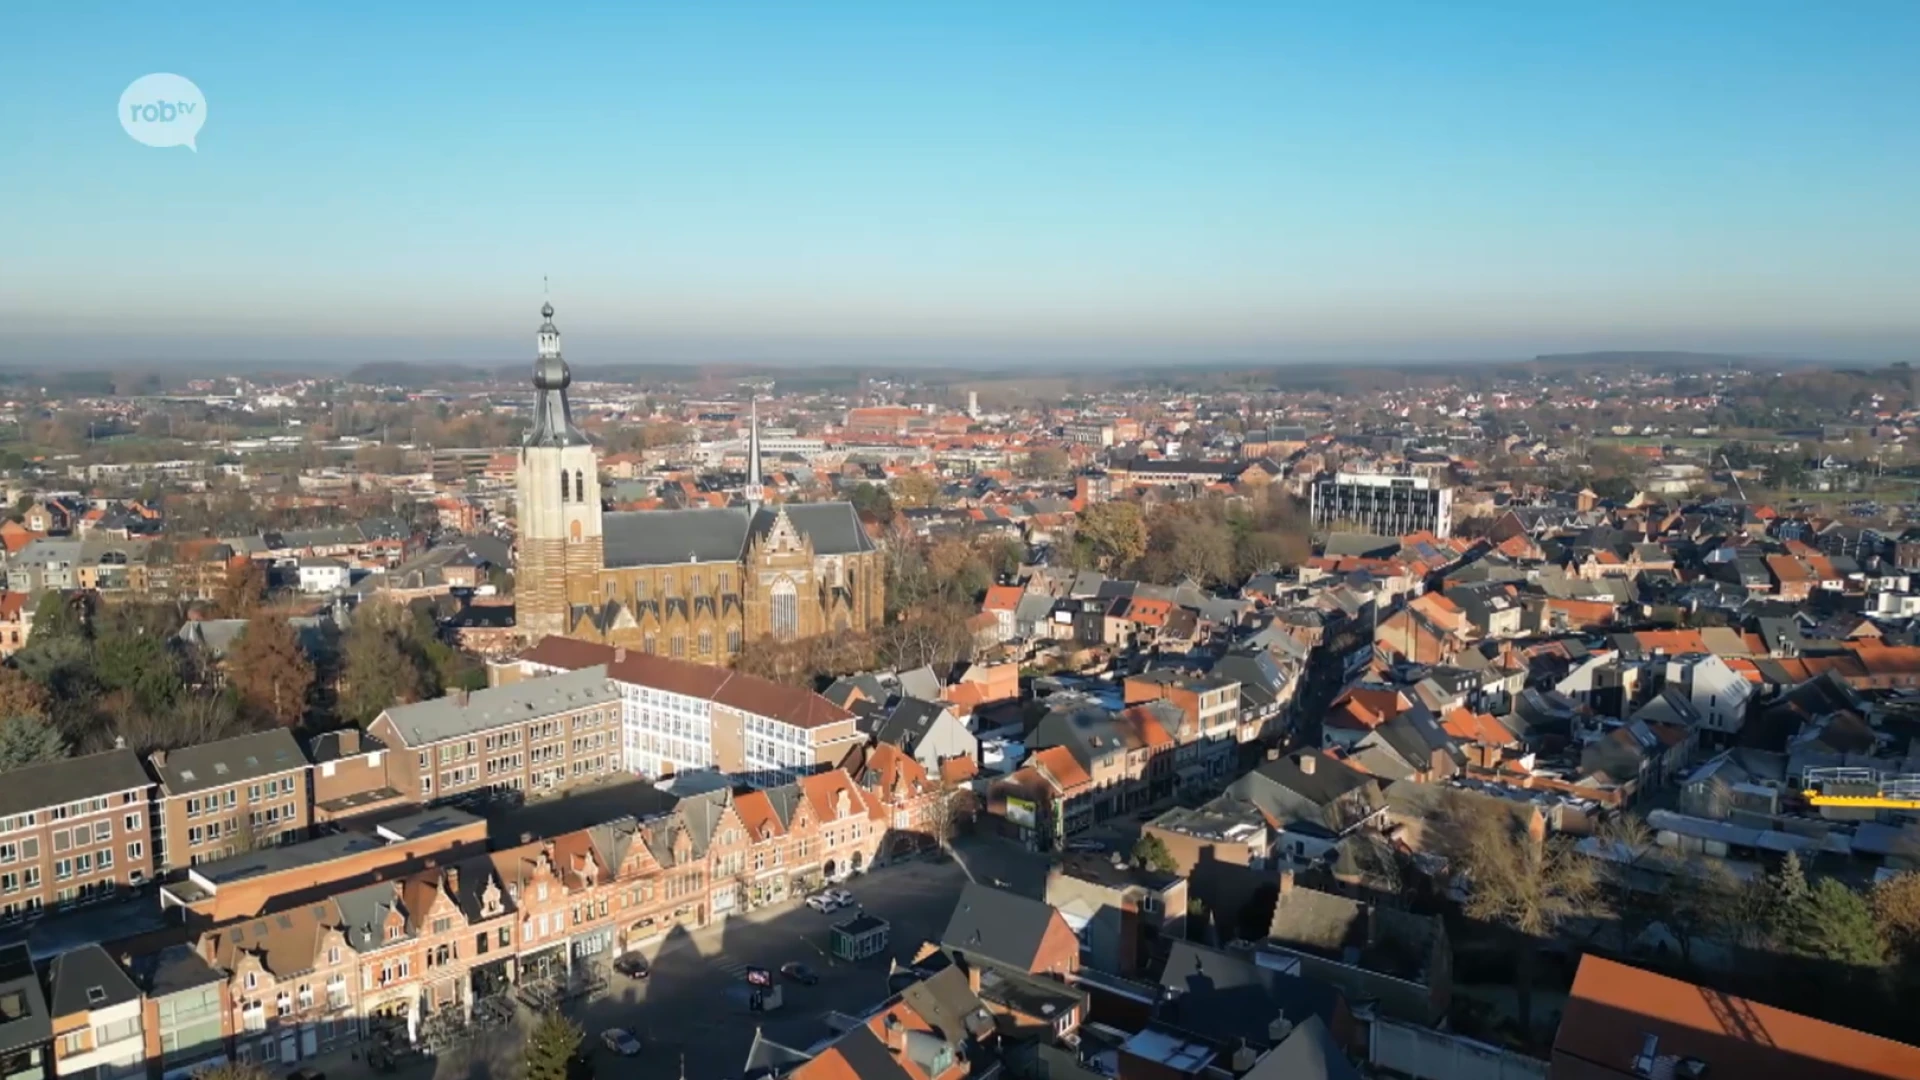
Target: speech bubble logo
{"x": 163, "y": 110}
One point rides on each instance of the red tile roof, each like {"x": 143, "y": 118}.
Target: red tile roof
{"x": 1614, "y": 1009}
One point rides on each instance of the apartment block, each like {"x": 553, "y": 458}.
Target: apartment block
{"x": 73, "y": 831}
{"x": 1383, "y": 503}
{"x": 222, "y": 798}
{"x": 678, "y": 716}
{"x": 537, "y": 736}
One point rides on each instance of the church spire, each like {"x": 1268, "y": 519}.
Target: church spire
{"x": 755, "y": 491}
{"x": 552, "y": 417}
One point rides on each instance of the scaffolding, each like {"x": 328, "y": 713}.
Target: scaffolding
{"x": 1861, "y": 788}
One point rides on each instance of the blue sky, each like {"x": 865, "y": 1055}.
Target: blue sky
{"x": 966, "y": 181}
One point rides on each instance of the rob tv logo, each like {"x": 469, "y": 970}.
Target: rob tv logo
{"x": 163, "y": 110}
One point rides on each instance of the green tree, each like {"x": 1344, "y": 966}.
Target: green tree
{"x": 872, "y": 502}
{"x": 270, "y": 671}
{"x": 1834, "y": 923}
{"x": 552, "y": 1049}
{"x": 1150, "y": 852}
{"x": 139, "y": 663}
{"x": 27, "y": 741}
{"x": 384, "y": 662}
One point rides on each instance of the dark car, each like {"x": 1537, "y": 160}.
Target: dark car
{"x": 799, "y": 972}
{"x": 633, "y": 966}
{"x": 306, "y": 1074}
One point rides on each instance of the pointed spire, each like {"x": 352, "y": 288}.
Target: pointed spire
{"x": 755, "y": 490}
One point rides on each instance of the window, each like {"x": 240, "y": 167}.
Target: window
{"x": 579, "y": 486}
{"x": 102, "y": 831}
{"x": 563, "y": 484}
{"x": 786, "y": 610}
{"x": 61, "y": 842}
{"x": 679, "y": 646}
{"x": 63, "y": 869}
{"x": 133, "y": 822}
{"x": 252, "y": 980}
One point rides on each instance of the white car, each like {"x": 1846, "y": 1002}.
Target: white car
{"x": 621, "y": 1041}
{"x": 825, "y": 903}
{"x": 840, "y": 897}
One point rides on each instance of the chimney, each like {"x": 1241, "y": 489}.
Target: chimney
{"x": 620, "y": 655}
{"x": 896, "y": 1034}
{"x": 1306, "y": 763}
{"x": 1273, "y": 753}
{"x": 460, "y": 698}
{"x": 159, "y": 759}
{"x": 453, "y": 881}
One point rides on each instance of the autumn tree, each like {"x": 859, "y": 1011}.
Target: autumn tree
{"x": 20, "y": 695}
{"x": 244, "y": 588}
{"x": 1896, "y": 911}
{"x": 1531, "y": 889}
{"x": 270, "y": 671}
{"x": 959, "y": 573}
{"x": 914, "y": 489}
{"x": 1110, "y": 535}
{"x": 26, "y": 740}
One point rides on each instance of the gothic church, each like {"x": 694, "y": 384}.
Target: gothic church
{"x": 687, "y": 584}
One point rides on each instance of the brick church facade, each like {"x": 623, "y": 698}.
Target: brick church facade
{"x": 687, "y": 584}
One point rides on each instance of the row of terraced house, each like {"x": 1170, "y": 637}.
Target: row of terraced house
{"x": 324, "y": 893}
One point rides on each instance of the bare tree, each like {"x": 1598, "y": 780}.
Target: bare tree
{"x": 1533, "y": 889}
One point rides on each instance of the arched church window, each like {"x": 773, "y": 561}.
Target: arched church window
{"x": 679, "y": 642}
{"x": 579, "y": 486}
{"x": 786, "y": 610}
{"x": 697, "y": 590}
{"x": 733, "y": 641}
{"x": 563, "y": 484}
{"x": 706, "y": 642}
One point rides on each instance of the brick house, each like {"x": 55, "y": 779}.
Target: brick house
{"x": 73, "y": 831}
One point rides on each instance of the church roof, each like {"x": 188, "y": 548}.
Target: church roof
{"x": 721, "y": 534}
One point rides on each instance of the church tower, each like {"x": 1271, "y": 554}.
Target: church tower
{"x": 558, "y": 501}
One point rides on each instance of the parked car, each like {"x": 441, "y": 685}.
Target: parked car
{"x": 621, "y": 1041}
{"x": 1146, "y": 815}
{"x": 633, "y": 966}
{"x": 840, "y": 896}
{"x": 824, "y": 903}
{"x": 306, "y": 1074}
{"x": 1086, "y": 845}
{"x": 799, "y": 972}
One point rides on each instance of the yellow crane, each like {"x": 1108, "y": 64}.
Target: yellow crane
{"x": 1860, "y": 788}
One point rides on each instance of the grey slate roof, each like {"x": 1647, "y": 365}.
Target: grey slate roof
{"x": 87, "y": 978}
{"x": 39, "y": 786}
{"x": 448, "y": 717}
{"x": 24, "y": 1020}
{"x": 217, "y": 764}
{"x": 1225, "y": 996}
{"x": 1308, "y": 1053}
{"x": 721, "y": 534}
{"x": 909, "y": 723}
{"x": 998, "y": 925}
